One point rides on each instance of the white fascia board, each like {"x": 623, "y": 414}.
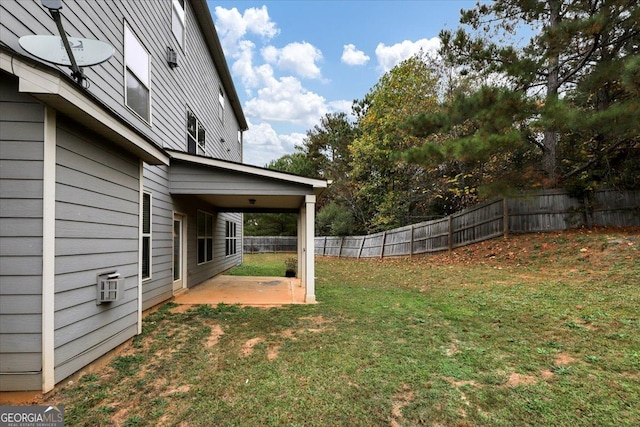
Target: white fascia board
{"x": 63, "y": 95}
{"x": 248, "y": 169}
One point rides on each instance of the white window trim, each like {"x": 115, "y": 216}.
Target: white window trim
{"x": 221, "y": 106}
{"x": 198, "y": 237}
{"x": 149, "y": 235}
{"x": 231, "y": 235}
{"x": 182, "y": 15}
{"x": 199, "y": 124}
{"x": 147, "y": 84}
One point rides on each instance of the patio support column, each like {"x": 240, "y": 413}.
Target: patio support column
{"x": 302, "y": 241}
{"x": 310, "y": 271}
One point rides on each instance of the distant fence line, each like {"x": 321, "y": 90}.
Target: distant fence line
{"x": 551, "y": 210}
{"x": 259, "y": 244}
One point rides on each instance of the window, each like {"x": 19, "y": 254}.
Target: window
{"x": 205, "y": 237}
{"x": 136, "y": 60}
{"x": 146, "y": 236}
{"x": 195, "y": 135}
{"x": 221, "y": 102}
{"x": 231, "y": 239}
{"x": 177, "y": 21}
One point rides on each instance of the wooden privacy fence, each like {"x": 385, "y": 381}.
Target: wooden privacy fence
{"x": 260, "y": 244}
{"x": 546, "y": 211}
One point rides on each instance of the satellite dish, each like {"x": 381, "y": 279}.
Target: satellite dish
{"x": 87, "y": 52}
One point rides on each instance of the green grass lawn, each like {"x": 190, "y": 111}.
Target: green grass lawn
{"x": 538, "y": 330}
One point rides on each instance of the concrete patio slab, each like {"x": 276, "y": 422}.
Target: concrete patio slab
{"x": 246, "y": 291}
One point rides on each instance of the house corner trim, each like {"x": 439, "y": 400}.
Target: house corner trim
{"x": 48, "y": 250}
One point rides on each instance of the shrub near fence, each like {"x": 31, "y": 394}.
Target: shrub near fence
{"x": 550, "y": 210}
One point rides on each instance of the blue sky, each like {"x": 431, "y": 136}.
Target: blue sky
{"x": 294, "y": 61}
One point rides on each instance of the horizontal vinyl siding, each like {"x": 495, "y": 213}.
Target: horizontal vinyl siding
{"x": 199, "y": 273}
{"x": 97, "y": 231}
{"x": 226, "y": 262}
{"x": 21, "y": 174}
{"x": 193, "y": 84}
{"x": 192, "y": 179}
{"x": 203, "y": 97}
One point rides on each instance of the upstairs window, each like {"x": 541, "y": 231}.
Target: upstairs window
{"x": 136, "y": 60}
{"x": 221, "y": 102}
{"x": 195, "y": 135}
{"x": 178, "y": 21}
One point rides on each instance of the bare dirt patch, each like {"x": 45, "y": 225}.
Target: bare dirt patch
{"x": 564, "y": 359}
{"x": 181, "y": 308}
{"x": 247, "y": 347}
{"x": 288, "y": 333}
{"x": 317, "y": 323}
{"x": 453, "y": 347}
{"x": 400, "y": 400}
{"x": 178, "y": 390}
{"x": 516, "y": 379}
{"x": 214, "y": 337}
{"x": 460, "y": 383}
{"x": 546, "y": 374}
{"x": 272, "y": 352}
{"x": 317, "y": 320}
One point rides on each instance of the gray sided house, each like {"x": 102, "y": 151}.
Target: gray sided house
{"x": 132, "y": 182}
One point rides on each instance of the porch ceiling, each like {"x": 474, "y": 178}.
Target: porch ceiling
{"x": 263, "y": 203}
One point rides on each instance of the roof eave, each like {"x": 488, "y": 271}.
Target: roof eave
{"x": 317, "y": 184}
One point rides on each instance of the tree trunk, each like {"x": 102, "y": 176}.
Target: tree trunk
{"x": 550, "y": 141}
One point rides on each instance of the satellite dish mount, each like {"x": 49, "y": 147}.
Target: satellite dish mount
{"x": 54, "y": 7}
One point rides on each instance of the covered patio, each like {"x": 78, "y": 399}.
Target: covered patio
{"x": 246, "y": 291}
{"x": 236, "y": 187}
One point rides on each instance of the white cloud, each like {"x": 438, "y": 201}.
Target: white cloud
{"x": 390, "y": 56}
{"x": 262, "y": 144}
{"x": 286, "y": 100}
{"x": 299, "y": 58}
{"x": 275, "y": 97}
{"x": 352, "y": 56}
{"x": 341, "y": 106}
{"x": 232, "y": 26}
{"x": 259, "y": 22}
{"x": 243, "y": 65}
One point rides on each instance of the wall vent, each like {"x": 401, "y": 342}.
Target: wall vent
{"x": 172, "y": 58}
{"x": 110, "y": 287}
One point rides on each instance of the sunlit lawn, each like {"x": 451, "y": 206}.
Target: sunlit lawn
{"x": 532, "y": 331}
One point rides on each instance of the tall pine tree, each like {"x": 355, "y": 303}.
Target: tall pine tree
{"x": 569, "y": 93}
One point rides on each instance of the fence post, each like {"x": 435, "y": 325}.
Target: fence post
{"x": 341, "y": 244}
{"x": 450, "y": 224}
{"x": 411, "y": 243}
{"x": 364, "y": 238}
{"x": 324, "y": 247}
{"x": 587, "y": 211}
{"x": 384, "y": 240}
{"x": 505, "y": 216}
